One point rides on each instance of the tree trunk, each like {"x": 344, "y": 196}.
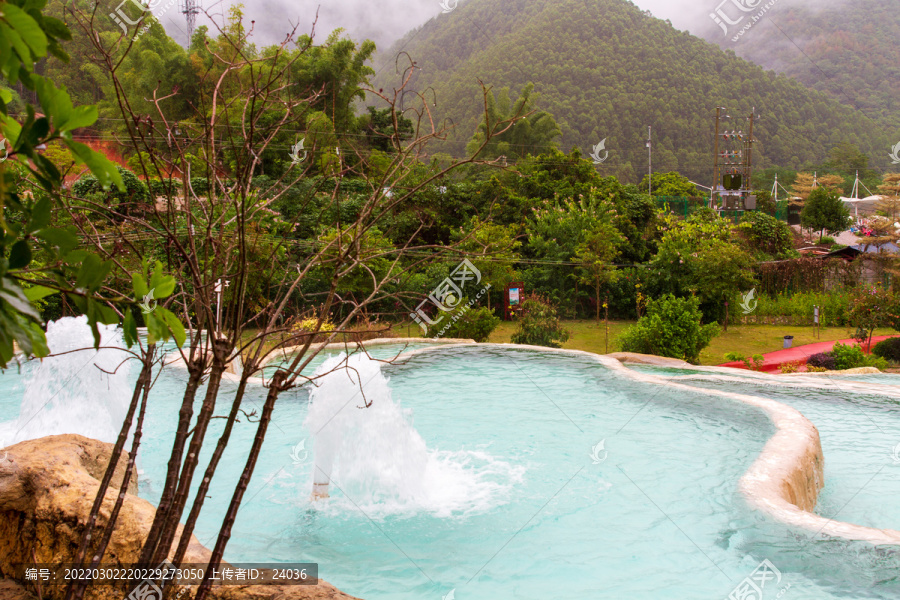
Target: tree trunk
{"x": 241, "y": 487}
{"x": 195, "y": 374}
{"x": 193, "y": 456}
{"x": 123, "y": 489}
{"x": 200, "y": 496}
{"x": 77, "y": 590}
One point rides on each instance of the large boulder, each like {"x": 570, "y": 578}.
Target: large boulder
{"x": 47, "y": 488}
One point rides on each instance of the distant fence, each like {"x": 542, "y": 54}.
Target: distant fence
{"x": 820, "y": 275}
{"x": 684, "y": 206}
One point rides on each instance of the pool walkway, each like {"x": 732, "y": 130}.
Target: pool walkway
{"x": 774, "y": 360}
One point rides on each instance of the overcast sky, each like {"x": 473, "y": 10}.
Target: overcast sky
{"x": 382, "y": 20}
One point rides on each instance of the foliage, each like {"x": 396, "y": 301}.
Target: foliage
{"x": 873, "y": 307}
{"x": 140, "y": 162}
{"x": 312, "y": 324}
{"x": 574, "y": 231}
{"x": 672, "y": 327}
{"x": 753, "y": 363}
{"x": 824, "y": 211}
{"x": 380, "y": 131}
{"x": 765, "y": 202}
{"x": 470, "y": 323}
{"x": 800, "y": 307}
{"x": 851, "y": 357}
{"x": 806, "y": 183}
{"x": 539, "y": 324}
{"x": 27, "y": 36}
{"x": 790, "y": 367}
{"x": 767, "y": 235}
{"x": 832, "y": 33}
{"x": 532, "y": 132}
{"x": 669, "y": 184}
{"x": 698, "y": 256}
{"x": 132, "y": 198}
{"x": 498, "y": 244}
{"x": 822, "y": 360}
{"x": 888, "y": 349}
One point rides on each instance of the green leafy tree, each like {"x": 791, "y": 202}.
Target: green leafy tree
{"x": 595, "y": 253}
{"x": 768, "y": 235}
{"x": 872, "y": 307}
{"x": 669, "y": 184}
{"x": 573, "y": 231}
{"x": 701, "y": 256}
{"x": 497, "y": 244}
{"x": 672, "y": 327}
{"x": 37, "y": 259}
{"x": 531, "y": 132}
{"x": 539, "y": 324}
{"x": 824, "y": 211}
{"x": 383, "y": 132}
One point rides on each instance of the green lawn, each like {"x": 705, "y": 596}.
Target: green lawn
{"x": 745, "y": 339}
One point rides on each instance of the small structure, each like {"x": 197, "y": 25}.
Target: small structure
{"x": 515, "y": 292}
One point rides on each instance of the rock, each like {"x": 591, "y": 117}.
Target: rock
{"x": 47, "y": 488}
{"x": 10, "y": 590}
{"x": 648, "y": 359}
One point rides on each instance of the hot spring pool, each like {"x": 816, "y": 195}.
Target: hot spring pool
{"x": 502, "y": 473}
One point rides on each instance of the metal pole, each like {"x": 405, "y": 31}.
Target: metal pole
{"x": 715, "y": 184}
{"x": 650, "y": 159}
{"x": 218, "y": 307}
{"x": 750, "y": 153}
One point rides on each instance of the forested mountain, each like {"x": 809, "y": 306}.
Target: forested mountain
{"x": 847, "y": 49}
{"x": 607, "y": 70}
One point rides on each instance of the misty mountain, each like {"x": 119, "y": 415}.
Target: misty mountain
{"x": 849, "y": 50}
{"x": 607, "y": 70}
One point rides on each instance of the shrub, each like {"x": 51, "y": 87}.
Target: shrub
{"x": 851, "y": 357}
{"x": 827, "y": 241}
{"x": 822, "y": 360}
{"x": 872, "y": 307}
{"x": 790, "y": 367}
{"x": 799, "y": 307}
{"x": 672, "y": 327}
{"x": 163, "y": 187}
{"x": 767, "y": 234}
{"x": 476, "y": 324}
{"x": 810, "y": 369}
{"x": 888, "y": 349}
{"x": 754, "y": 363}
{"x": 200, "y": 185}
{"x": 539, "y": 324}
{"x": 758, "y": 360}
{"x": 132, "y": 199}
{"x": 309, "y": 325}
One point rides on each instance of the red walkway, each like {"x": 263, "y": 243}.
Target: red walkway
{"x": 798, "y": 354}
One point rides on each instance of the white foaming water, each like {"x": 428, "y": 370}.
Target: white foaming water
{"x": 70, "y": 393}
{"x": 374, "y": 456}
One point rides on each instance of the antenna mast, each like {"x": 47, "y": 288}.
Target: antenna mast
{"x": 190, "y": 8}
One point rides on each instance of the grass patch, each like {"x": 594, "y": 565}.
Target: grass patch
{"x": 744, "y": 339}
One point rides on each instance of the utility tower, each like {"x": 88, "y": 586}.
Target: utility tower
{"x": 732, "y": 188}
{"x": 189, "y": 9}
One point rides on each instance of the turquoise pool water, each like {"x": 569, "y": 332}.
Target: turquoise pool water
{"x": 379, "y": 351}
{"x": 860, "y": 435}
{"x": 530, "y": 504}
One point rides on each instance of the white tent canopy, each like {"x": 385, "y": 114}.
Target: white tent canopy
{"x": 861, "y": 200}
